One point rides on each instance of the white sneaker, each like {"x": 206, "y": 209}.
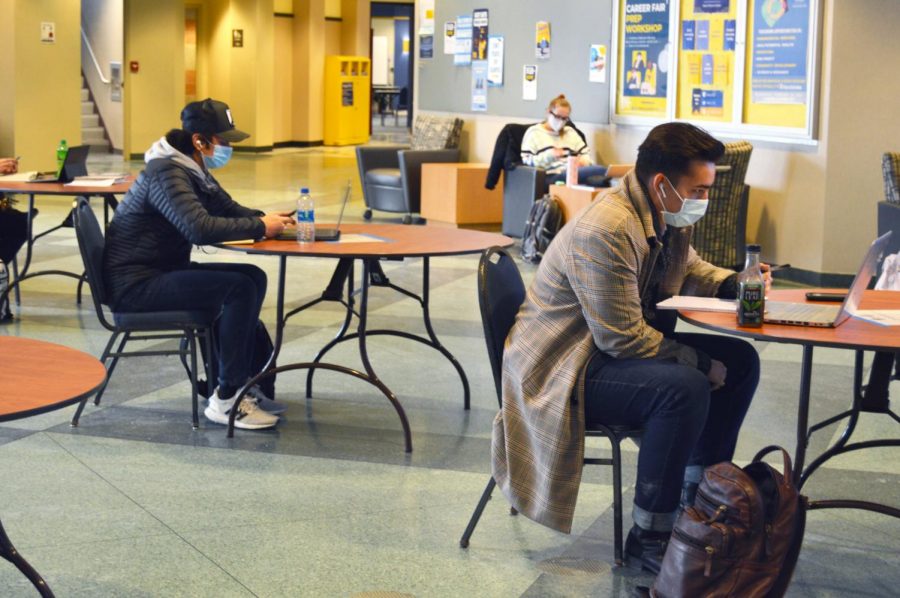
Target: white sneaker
{"x": 265, "y": 403}
{"x": 249, "y": 417}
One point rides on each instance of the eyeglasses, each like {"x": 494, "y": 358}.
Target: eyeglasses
{"x": 562, "y": 118}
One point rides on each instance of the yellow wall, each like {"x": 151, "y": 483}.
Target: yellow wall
{"x": 155, "y": 95}
{"x": 309, "y": 70}
{"x": 355, "y": 16}
{"x": 282, "y": 96}
{"x": 42, "y": 104}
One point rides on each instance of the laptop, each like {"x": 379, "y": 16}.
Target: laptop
{"x": 322, "y": 234}
{"x": 74, "y": 165}
{"x": 829, "y": 316}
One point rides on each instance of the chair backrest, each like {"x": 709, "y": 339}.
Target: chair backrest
{"x": 720, "y": 234}
{"x": 501, "y": 293}
{"x": 403, "y": 99}
{"x": 432, "y": 132}
{"x": 890, "y": 168}
{"x": 91, "y": 244}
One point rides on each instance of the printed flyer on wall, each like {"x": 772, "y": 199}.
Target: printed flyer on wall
{"x": 463, "y": 56}
{"x": 542, "y": 40}
{"x": 495, "y": 61}
{"x": 706, "y": 60}
{"x": 644, "y": 62}
{"x": 529, "y": 82}
{"x": 479, "y": 34}
{"x": 597, "y": 67}
{"x": 780, "y": 51}
{"x": 479, "y": 85}
{"x": 450, "y": 37}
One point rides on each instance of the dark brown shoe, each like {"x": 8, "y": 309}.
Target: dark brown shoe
{"x": 646, "y": 549}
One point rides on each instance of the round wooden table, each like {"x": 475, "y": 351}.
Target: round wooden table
{"x": 39, "y": 377}
{"x": 369, "y": 244}
{"x": 853, "y": 334}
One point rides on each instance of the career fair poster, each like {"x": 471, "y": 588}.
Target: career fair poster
{"x": 706, "y": 60}
{"x": 463, "y": 56}
{"x": 479, "y": 34}
{"x": 644, "y": 60}
{"x": 778, "y": 39}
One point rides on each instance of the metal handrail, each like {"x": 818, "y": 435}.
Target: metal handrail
{"x": 94, "y": 58}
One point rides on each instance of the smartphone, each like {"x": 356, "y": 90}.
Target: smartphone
{"x": 826, "y": 296}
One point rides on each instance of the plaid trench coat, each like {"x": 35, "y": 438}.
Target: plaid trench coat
{"x": 586, "y": 296}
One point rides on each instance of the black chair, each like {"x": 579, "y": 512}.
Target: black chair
{"x": 500, "y": 294}
{"x": 402, "y": 104}
{"x": 132, "y": 326}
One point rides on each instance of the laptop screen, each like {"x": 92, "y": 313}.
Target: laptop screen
{"x": 863, "y": 277}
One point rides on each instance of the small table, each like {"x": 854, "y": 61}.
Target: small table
{"x": 29, "y": 389}
{"x": 383, "y": 96}
{"x": 32, "y": 189}
{"x": 455, "y": 193}
{"x": 853, "y": 334}
{"x": 388, "y": 242}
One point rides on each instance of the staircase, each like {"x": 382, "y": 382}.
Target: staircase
{"x": 92, "y": 131}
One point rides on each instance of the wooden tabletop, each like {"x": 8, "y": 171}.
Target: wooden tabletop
{"x": 61, "y": 189}
{"x": 852, "y": 334}
{"x": 389, "y": 240}
{"x": 38, "y": 376}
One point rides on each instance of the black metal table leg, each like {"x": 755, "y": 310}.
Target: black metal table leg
{"x": 803, "y": 413}
{"x": 9, "y": 552}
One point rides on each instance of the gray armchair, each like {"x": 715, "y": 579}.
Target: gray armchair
{"x": 391, "y": 176}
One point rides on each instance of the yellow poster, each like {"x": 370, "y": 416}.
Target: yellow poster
{"x": 706, "y": 48}
{"x": 642, "y": 69}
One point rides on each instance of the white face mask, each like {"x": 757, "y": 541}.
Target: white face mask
{"x": 555, "y": 123}
{"x": 692, "y": 209}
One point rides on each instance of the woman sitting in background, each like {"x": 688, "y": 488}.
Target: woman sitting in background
{"x": 548, "y": 145}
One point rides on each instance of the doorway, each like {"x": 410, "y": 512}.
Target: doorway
{"x": 393, "y": 64}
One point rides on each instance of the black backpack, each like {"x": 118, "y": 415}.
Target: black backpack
{"x": 544, "y": 221}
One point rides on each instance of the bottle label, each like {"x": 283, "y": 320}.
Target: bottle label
{"x": 750, "y": 306}
{"x": 305, "y": 216}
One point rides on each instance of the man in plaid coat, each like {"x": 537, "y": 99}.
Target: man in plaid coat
{"x": 589, "y": 346}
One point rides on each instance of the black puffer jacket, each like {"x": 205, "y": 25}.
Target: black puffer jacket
{"x": 165, "y": 212}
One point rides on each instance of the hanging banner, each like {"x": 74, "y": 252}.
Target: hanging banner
{"x": 479, "y": 85}
{"x": 780, "y": 45}
{"x": 644, "y": 61}
{"x": 479, "y": 34}
{"x": 495, "y": 61}
{"x": 597, "y": 66}
{"x": 542, "y": 40}
{"x": 463, "y": 56}
{"x": 706, "y": 61}
{"x": 450, "y": 37}
{"x": 529, "y": 82}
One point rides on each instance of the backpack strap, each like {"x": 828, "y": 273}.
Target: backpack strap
{"x": 788, "y": 467}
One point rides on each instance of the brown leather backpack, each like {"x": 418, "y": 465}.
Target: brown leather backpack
{"x": 741, "y": 538}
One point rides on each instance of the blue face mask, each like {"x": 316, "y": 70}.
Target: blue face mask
{"x": 221, "y": 156}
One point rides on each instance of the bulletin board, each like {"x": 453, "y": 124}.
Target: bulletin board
{"x": 574, "y": 26}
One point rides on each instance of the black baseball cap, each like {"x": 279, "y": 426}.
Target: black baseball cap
{"x": 211, "y": 117}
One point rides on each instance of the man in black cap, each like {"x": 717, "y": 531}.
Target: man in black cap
{"x": 176, "y": 203}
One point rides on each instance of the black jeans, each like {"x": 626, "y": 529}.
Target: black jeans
{"x": 13, "y": 233}
{"x": 684, "y": 422}
{"x": 234, "y": 291}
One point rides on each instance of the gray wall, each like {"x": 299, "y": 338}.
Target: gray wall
{"x": 574, "y": 26}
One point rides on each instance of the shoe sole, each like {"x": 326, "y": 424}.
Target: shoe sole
{"x": 214, "y": 418}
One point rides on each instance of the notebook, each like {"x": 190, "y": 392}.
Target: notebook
{"x": 322, "y": 234}
{"x": 829, "y": 316}
{"x": 74, "y": 165}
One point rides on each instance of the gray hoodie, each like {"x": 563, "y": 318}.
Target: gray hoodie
{"x": 161, "y": 149}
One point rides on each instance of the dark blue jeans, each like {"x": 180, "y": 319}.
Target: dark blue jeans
{"x": 684, "y": 423}
{"x": 234, "y": 291}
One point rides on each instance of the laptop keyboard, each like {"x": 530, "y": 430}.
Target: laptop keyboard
{"x": 800, "y": 312}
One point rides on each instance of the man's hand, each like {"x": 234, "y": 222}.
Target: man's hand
{"x": 290, "y": 214}
{"x": 767, "y": 275}
{"x": 8, "y": 165}
{"x": 716, "y": 375}
{"x": 275, "y": 223}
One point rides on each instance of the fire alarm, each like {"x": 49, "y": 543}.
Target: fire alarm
{"x": 134, "y": 65}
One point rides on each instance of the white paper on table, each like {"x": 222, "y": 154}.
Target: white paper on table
{"x": 91, "y": 182}
{"x": 19, "y": 177}
{"x": 698, "y": 304}
{"x": 882, "y": 317}
{"x": 360, "y": 238}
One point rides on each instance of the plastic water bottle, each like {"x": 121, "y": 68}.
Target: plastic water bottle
{"x": 306, "y": 217}
{"x": 751, "y": 291}
{"x": 61, "y": 152}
